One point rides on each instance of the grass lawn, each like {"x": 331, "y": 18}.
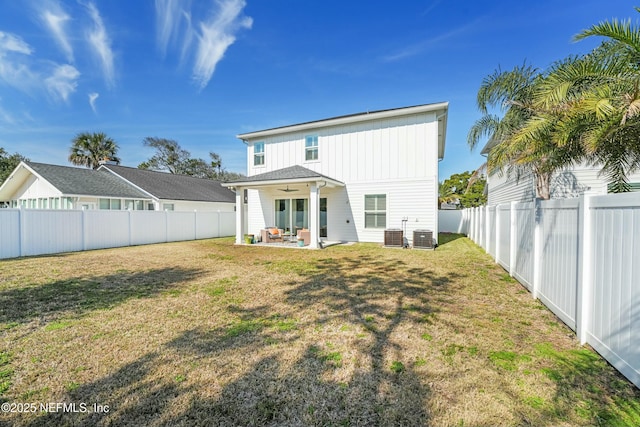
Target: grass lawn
{"x": 208, "y": 333}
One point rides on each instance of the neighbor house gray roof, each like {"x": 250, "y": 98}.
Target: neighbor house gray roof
{"x": 86, "y": 182}
{"x": 168, "y": 186}
{"x": 291, "y": 173}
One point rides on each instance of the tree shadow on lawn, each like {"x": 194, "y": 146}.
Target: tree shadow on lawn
{"x": 290, "y": 384}
{"x": 78, "y": 295}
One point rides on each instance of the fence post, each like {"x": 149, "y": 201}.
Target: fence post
{"x": 130, "y": 228}
{"x": 21, "y": 230}
{"x": 498, "y": 234}
{"x": 513, "y": 241}
{"x": 85, "y": 226}
{"x": 537, "y": 246}
{"x": 195, "y": 224}
{"x": 487, "y": 229}
{"x": 584, "y": 294}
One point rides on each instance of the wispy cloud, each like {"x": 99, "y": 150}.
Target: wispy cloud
{"x": 13, "y": 43}
{"x": 430, "y": 43}
{"x": 213, "y": 36}
{"x": 62, "y": 82}
{"x": 14, "y": 66}
{"x": 168, "y": 15}
{"x": 93, "y": 96}
{"x": 55, "y": 19}
{"x": 101, "y": 44}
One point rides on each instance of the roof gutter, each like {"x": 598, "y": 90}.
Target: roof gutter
{"x": 346, "y": 120}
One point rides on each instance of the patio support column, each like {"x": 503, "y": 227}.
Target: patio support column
{"x": 239, "y": 215}
{"x": 314, "y": 214}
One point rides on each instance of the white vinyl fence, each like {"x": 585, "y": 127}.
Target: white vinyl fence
{"x": 581, "y": 258}
{"x": 25, "y": 232}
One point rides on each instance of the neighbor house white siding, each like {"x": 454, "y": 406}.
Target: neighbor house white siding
{"x": 571, "y": 182}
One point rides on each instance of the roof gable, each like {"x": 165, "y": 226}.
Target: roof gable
{"x": 166, "y": 186}
{"x": 75, "y": 181}
{"x": 292, "y": 173}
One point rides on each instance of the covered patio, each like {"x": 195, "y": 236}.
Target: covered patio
{"x": 288, "y": 199}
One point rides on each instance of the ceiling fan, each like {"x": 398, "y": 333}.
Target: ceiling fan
{"x": 288, "y": 190}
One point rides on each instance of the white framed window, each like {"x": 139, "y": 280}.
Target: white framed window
{"x": 168, "y": 206}
{"x": 375, "y": 211}
{"x": 311, "y": 147}
{"x": 258, "y": 154}
{"x": 105, "y": 204}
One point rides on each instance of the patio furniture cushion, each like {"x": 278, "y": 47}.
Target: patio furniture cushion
{"x": 273, "y": 231}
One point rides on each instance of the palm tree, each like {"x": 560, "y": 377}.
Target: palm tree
{"x": 596, "y": 102}
{"x": 89, "y": 149}
{"x": 514, "y": 92}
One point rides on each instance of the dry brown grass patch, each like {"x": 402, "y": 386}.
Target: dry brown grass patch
{"x": 208, "y": 333}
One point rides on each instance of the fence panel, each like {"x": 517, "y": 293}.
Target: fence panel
{"x": 106, "y": 229}
{"x": 207, "y": 225}
{"x": 614, "y": 327}
{"x": 481, "y": 227}
{"x": 451, "y": 221}
{"x": 148, "y": 227}
{"x": 503, "y": 225}
{"x": 559, "y": 265}
{"x": 491, "y": 234}
{"x": 9, "y": 233}
{"x": 50, "y": 231}
{"x": 227, "y": 224}
{"x": 524, "y": 256}
{"x": 181, "y": 226}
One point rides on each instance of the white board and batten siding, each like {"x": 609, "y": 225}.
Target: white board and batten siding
{"x": 396, "y": 156}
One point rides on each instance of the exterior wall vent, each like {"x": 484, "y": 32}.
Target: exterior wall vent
{"x": 423, "y": 239}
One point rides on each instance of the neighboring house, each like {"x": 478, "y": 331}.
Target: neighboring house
{"x": 571, "y": 182}
{"x": 42, "y": 186}
{"x": 176, "y": 192}
{"x": 345, "y": 178}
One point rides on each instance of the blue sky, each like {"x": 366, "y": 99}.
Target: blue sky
{"x": 200, "y": 72}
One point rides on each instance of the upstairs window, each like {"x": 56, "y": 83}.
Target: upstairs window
{"x": 375, "y": 211}
{"x": 258, "y": 154}
{"x": 311, "y": 147}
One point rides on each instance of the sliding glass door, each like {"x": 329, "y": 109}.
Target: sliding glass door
{"x": 293, "y": 215}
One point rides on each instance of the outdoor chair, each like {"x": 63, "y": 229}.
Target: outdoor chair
{"x": 271, "y": 234}
{"x": 304, "y": 235}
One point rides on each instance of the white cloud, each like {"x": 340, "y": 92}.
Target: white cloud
{"x": 55, "y": 20}
{"x": 14, "y": 65}
{"x": 13, "y": 43}
{"x": 101, "y": 44}
{"x": 62, "y": 82}
{"x": 213, "y": 36}
{"x": 93, "y": 96}
{"x": 168, "y": 13}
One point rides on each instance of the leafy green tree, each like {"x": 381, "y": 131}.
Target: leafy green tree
{"x": 89, "y": 149}
{"x": 172, "y": 158}
{"x": 8, "y": 162}
{"x": 460, "y": 187}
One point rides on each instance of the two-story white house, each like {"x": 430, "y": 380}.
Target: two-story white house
{"x": 345, "y": 178}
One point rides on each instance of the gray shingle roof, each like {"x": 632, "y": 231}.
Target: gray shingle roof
{"x": 174, "y": 187}
{"x": 86, "y": 182}
{"x": 291, "y": 172}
